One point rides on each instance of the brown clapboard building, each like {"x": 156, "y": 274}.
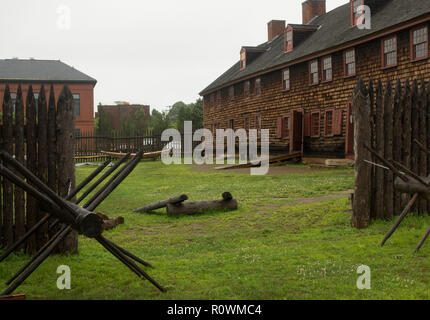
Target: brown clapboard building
{"x": 300, "y": 82}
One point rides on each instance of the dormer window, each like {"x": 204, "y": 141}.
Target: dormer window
{"x": 242, "y": 59}
{"x": 355, "y": 13}
{"x": 289, "y": 40}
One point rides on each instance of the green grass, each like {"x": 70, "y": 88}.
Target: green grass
{"x": 273, "y": 247}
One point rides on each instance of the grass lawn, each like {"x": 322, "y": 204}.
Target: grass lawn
{"x": 290, "y": 239}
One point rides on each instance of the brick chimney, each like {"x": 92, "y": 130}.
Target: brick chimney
{"x": 312, "y": 9}
{"x": 275, "y": 28}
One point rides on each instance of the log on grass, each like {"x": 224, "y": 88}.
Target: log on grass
{"x": 197, "y": 207}
{"x": 162, "y": 204}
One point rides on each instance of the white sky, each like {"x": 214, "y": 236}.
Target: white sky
{"x": 148, "y": 52}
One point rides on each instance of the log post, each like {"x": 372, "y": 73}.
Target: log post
{"x": 379, "y": 146}
{"x": 397, "y": 138}
{"x": 388, "y": 134}
{"x": 362, "y": 136}
{"x": 66, "y": 165}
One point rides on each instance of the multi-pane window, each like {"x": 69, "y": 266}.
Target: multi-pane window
{"x": 315, "y": 124}
{"x": 243, "y": 59}
{"x": 286, "y": 127}
{"x": 212, "y": 100}
{"x": 286, "y": 79}
{"x": 327, "y": 69}
{"x": 390, "y": 52}
{"x": 231, "y": 92}
{"x": 218, "y": 97}
{"x": 13, "y": 98}
{"x": 258, "y": 122}
{"x": 257, "y": 86}
{"x": 350, "y": 62}
{"x": 247, "y": 88}
{"x": 289, "y": 40}
{"x": 356, "y": 13}
{"x": 329, "y": 123}
{"x": 77, "y": 104}
{"x": 313, "y": 68}
{"x": 420, "y": 43}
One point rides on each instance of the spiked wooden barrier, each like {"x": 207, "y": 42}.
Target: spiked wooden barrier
{"x": 388, "y": 121}
{"x": 70, "y": 215}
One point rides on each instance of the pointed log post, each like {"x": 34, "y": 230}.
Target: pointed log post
{"x": 373, "y": 145}
{"x": 379, "y": 145}
{"x": 388, "y": 136}
{"x": 8, "y": 236}
{"x": 19, "y": 156}
{"x": 362, "y": 136}
{"x": 52, "y": 140}
{"x": 66, "y": 153}
{"x": 407, "y": 133}
{"x": 422, "y": 107}
{"x": 42, "y": 141}
{"x": 397, "y": 139}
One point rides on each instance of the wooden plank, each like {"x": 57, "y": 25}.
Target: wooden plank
{"x": 397, "y": 138}
{"x": 284, "y": 157}
{"x": 31, "y": 142}
{"x": 8, "y": 186}
{"x": 362, "y": 136}
{"x": 19, "y": 156}
{"x": 388, "y": 136}
{"x": 13, "y": 297}
{"x": 378, "y": 207}
{"x": 42, "y": 142}
{"x": 65, "y": 158}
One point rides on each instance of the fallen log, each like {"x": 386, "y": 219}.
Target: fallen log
{"x": 413, "y": 186}
{"x": 162, "y": 204}
{"x": 110, "y": 223}
{"x": 120, "y": 154}
{"x": 201, "y": 206}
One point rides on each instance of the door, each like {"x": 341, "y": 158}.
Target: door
{"x": 349, "y": 143}
{"x": 297, "y": 132}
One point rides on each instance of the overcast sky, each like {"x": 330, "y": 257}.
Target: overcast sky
{"x": 145, "y": 52}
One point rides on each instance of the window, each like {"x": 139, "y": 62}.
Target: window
{"x": 258, "y": 122}
{"x": 231, "y": 124}
{"x": 36, "y": 101}
{"x": 327, "y": 74}
{"x": 349, "y": 57}
{"x": 13, "y": 98}
{"x": 289, "y": 40}
{"x": 313, "y": 72}
{"x": 247, "y": 87}
{"x": 257, "y": 87}
{"x": 242, "y": 59}
{"x": 231, "y": 92}
{"x": 355, "y": 14}
{"x": 286, "y": 127}
{"x": 389, "y": 49}
{"x": 419, "y": 49}
{"x": 77, "y": 103}
{"x": 77, "y": 132}
{"x": 218, "y": 97}
{"x": 329, "y": 123}
{"x": 286, "y": 79}
{"x": 315, "y": 124}
{"x": 212, "y": 100}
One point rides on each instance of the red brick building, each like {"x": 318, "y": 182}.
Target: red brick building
{"x": 120, "y": 112}
{"x": 299, "y": 83}
{"x": 37, "y": 72}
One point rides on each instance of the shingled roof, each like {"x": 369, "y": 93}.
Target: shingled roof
{"x": 17, "y": 70}
{"x": 335, "y": 30}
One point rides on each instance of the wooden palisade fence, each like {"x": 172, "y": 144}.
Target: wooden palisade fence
{"x": 43, "y": 141}
{"x": 389, "y": 120}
